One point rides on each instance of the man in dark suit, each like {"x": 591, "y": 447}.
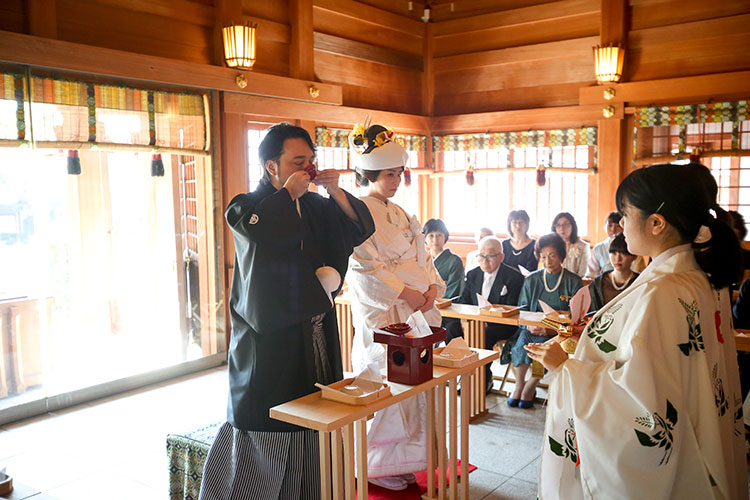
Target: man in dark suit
{"x": 499, "y": 284}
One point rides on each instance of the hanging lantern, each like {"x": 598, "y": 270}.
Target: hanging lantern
{"x": 239, "y": 45}
{"x": 407, "y": 177}
{"x": 541, "y": 176}
{"x": 157, "y": 166}
{"x": 74, "y": 162}
{"x": 608, "y": 61}
{"x": 470, "y": 176}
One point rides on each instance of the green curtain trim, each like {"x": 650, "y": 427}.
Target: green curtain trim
{"x": 584, "y": 136}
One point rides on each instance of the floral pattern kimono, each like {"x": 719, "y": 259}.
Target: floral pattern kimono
{"x": 379, "y": 269}
{"x": 649, "y": 406}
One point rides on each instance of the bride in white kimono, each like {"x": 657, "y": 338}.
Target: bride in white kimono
{"x": 391, "y": 276}
{"x": 649, "y": 405}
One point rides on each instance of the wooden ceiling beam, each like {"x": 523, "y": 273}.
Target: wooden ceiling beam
{"x": 691, "y": 89}
{"x": 323, "y": 114}
{"x": 366, "y": 52}
{"x": 43, "y": 52}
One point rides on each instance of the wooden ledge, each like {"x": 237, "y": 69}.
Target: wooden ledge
{"x": 66, "y": 56}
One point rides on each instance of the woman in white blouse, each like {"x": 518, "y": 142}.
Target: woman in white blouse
{"x": 578, "y": 251}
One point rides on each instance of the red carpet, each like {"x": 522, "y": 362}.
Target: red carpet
{"x": 413, "y": 492}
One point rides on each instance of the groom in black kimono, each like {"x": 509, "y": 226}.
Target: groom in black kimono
{"x": 284, "y": 329}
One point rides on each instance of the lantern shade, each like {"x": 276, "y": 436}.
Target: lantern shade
{"x": 239, "y": 45}
{"x": 608, "y": 63}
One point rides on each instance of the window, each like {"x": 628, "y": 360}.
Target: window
{"x": 732, "y": 175}
{"x": 495, "y": 193}
{"x": 255, "y": 170}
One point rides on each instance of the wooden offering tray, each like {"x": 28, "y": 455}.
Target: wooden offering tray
{"x": 500, "y": 310}
{"x": 451, "y": 361}
{"x": 344, "y": 392}
{"x": 443, "y": 303}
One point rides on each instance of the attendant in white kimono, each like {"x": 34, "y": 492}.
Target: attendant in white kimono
{"x": 578, "y": 251}
{"x": 391, "y": 276}
{"x": 649, "y": 405}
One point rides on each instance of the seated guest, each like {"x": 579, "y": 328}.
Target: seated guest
{"x": 577, "y": 251}
{"x": 519, "y": 248}
{"x": 471, "y": 257}
{"x": 737, "y": 222}
{"x": 599, "y": 261}
{"x": 553, "y": 284}
{"x": 448, "y": 264}
{"x": 610, "y": 284}
{"x": 497, "y": 283}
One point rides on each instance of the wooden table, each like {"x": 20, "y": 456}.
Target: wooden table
{"x": 332, "y": 420}
{"x": 474, "y": 334}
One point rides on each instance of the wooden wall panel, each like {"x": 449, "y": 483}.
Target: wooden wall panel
{"x": 541, "y": 96}
{"x": 94, "y": 23}
{"x": 373, "y": 53}
{"x": 545, "y": 30}
{"x": 700, "y": 47}
{"x": 361, "y": 30}
{"x": 371, "y": 85}
{"x": 653, "y": 13}
{"x": 13, "y": 16}
{"x": 276, "y": 10}
{"x": 524, "y": 57}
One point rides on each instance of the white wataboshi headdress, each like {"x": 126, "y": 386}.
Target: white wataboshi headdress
{"x": 385, "y": 154}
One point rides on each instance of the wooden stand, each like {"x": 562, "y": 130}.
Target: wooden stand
{"x": 335, "y": 421}
{"x": 410, "y": 359}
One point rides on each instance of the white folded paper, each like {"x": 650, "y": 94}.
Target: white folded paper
{"x": 482, "y": 302}
{"x": 524, "y": 272}
{"x": 456, "y": 349}
{"x": 419, "y": 326}
{"x": 367, "y": 381}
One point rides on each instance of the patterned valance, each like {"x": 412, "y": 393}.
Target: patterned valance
{"x": 339, "y": 138}
{"x": 692, "y": 113}
{"x": 75, "y": 111}
{"x": 584, "y": 136}
{"x": 12, "y": 107}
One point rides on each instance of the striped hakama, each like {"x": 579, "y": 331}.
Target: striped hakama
{"x": 261, "y": 465}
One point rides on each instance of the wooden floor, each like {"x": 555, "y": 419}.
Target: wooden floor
{"x": 80, "y": 453}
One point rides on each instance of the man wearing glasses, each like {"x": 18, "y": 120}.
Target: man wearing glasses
{"x": 496, "y": 282}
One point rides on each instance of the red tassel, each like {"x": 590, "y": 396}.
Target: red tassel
{"x": 470, "y": 177}
{"x": 541, "y": 178}
{"x": 74, "y": 162}
{"x": 407, "y": 177}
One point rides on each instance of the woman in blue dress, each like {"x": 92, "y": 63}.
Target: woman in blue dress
{"x": 555, "y": 286}
{"x": 519, "y": 248}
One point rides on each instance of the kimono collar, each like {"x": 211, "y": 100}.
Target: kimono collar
{"x": 675, "y": 259}
{"x": 662, "y": 258}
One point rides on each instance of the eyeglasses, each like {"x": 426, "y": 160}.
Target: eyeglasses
{"x": 485, "y": 257}
{"x": 561, "y": 225}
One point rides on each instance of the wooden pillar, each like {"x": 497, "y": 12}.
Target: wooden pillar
{"x": 234, "y": 181}
{"x": 611, "y": 143}
{"x": 614, "y": 22}
{"x": 43, "y": 18}
{"x": 428, "y": 78}
{"x": 301, "y": 56}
